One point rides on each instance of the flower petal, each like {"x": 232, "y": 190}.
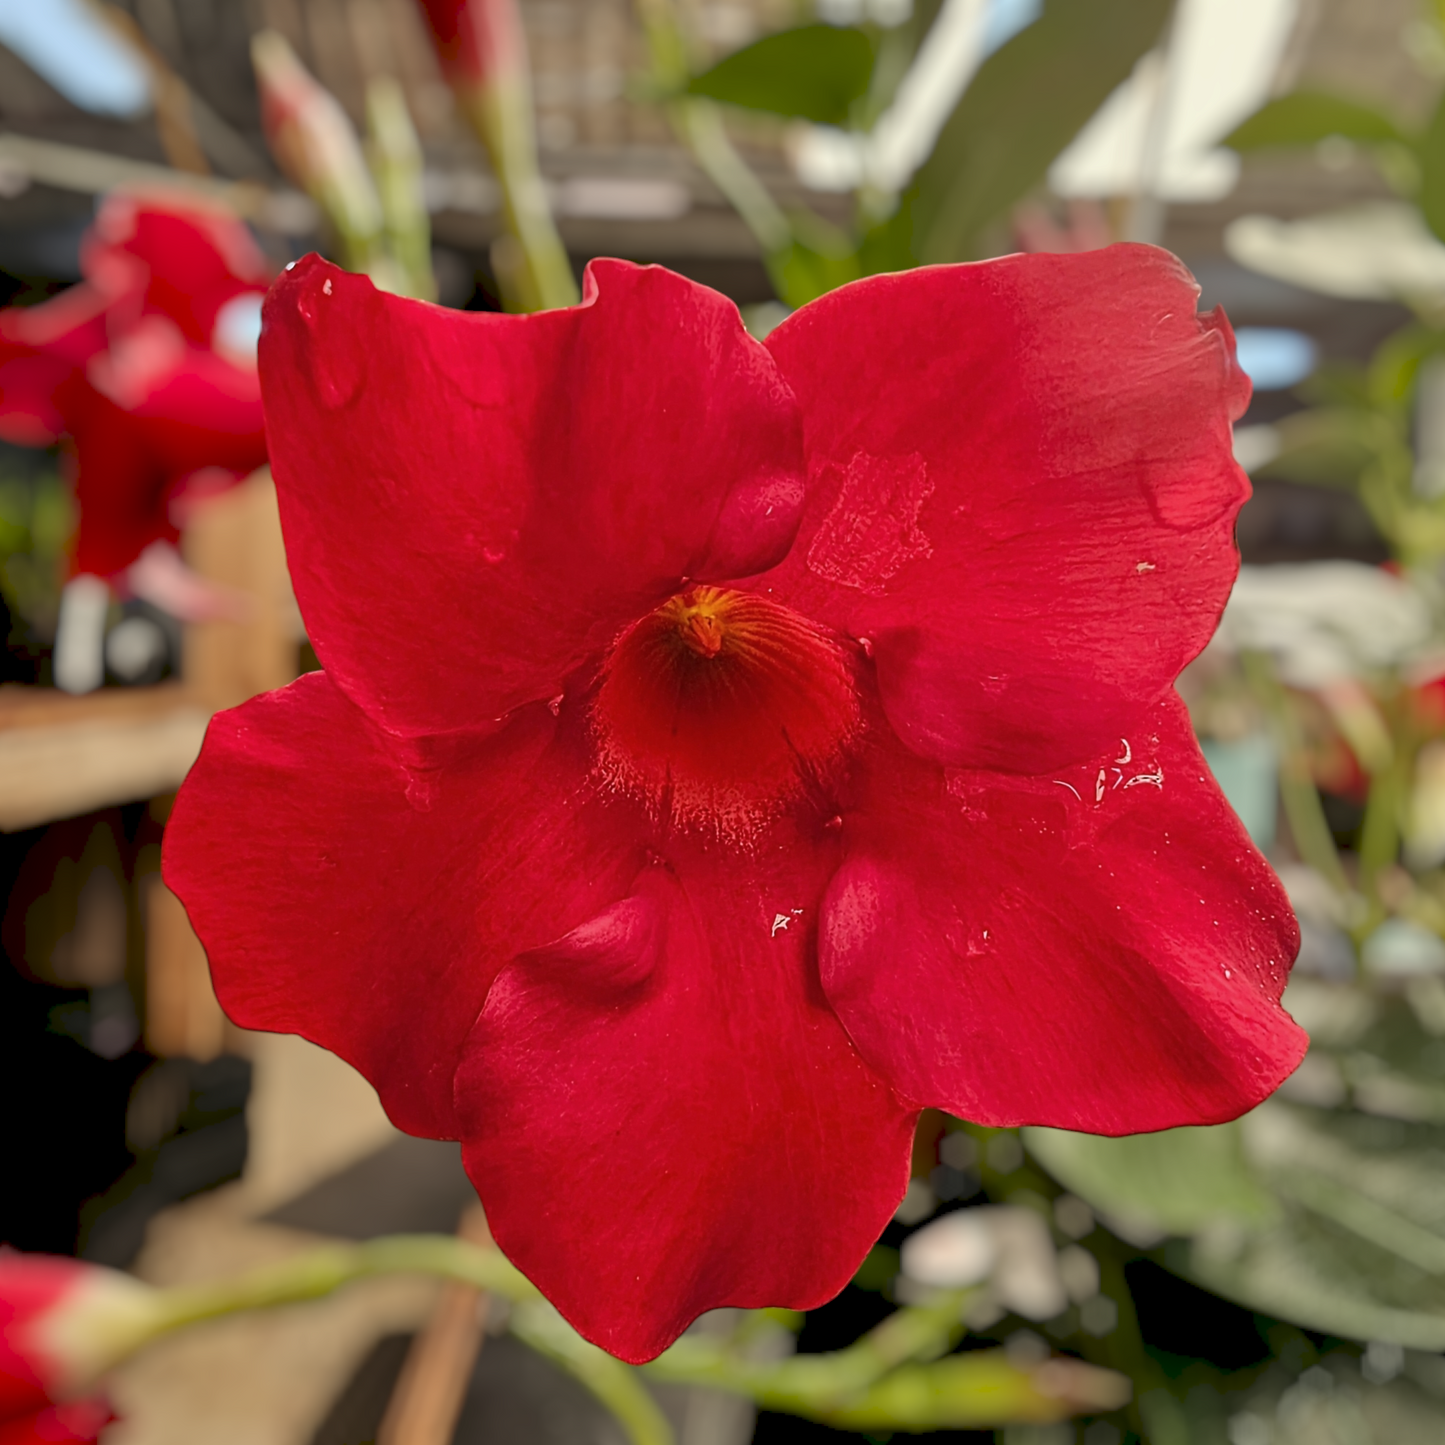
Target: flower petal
{"x": 513, "y": 489}
{"x": 1103, "y": 950}
{"x": 368, "y": 907}
{"x": 660, "y": 1107}
{"x": 1021, "y": 491}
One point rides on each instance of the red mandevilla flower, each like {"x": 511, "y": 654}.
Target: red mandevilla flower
{"x": 148, "y": 365}
{"x": 61, "y": 1322}
{"x": 726, "y": 749}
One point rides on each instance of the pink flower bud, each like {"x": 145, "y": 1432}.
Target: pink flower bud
{"x": 477, "y": 41}
{"x": 62, "y": 1323}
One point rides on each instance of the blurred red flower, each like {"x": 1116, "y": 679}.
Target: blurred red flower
{"x": 56, "y": 1319}
{"x": 148, "y": 365}
{"x": 726, "y": 749}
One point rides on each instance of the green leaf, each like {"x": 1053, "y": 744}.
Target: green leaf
{"x": 819, "y": 258}
{"x": 1359, "y": 1249}
{"x": 1027, "y": 102}
{"x": 1306, "y": 117}
{"x": 1432, "y": 171}
{"x": 1173, "y": 1182}
{"x": 1328, "y": 447}
{"x": 816, "y": 72}
{"x": 879, "y": 1268}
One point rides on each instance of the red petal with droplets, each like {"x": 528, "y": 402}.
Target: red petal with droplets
{"x": 529, "y": 484}
{"x": 1103, "y": 949}
{"x": 1021, "y": 491}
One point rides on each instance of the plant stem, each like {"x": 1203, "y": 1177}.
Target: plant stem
{"x": 318, "y": 1272}
{"x": 1301, "y": 799}
{"x": 807, "y": 1384}
{"x": 699, "y": 125}
{"x": 614, "y": 1384}
{"x": 501, "y": 113}
{"x": 1380, "y": 832}
{"x": 898, "y": 1375}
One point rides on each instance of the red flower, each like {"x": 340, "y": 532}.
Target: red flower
{"x": 61, "y": 1323}
{"x": 725, "y": 750}
{"x": 148, "y": 365}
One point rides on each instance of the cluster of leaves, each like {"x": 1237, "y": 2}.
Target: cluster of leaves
{"x": 1326, "y": 1206}
{"x": 1025, "y": 104}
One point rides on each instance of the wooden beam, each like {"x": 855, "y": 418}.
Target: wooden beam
{"x": 61, "y": 756}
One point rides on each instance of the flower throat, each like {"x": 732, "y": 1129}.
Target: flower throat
{"x": 721, "y": 708}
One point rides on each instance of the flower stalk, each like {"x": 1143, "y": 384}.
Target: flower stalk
{"x": 371, "y": 196}
{"x": 1302, "y": 806}
{"x": 483, "y": 53}
{"x": 899, "y": 1375}
{"x": 699, "y": 125}
{"x": 394, "y": 152}
{"x": 315, "y": 145}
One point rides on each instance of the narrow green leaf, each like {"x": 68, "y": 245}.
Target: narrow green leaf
{"x": 1432, "y": 171}
{"x": 1027, "y": 102}
{"x": 1306, "y": 117}
{"x": 815, "y": 72}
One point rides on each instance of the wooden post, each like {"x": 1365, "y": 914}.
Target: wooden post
{"x": 432, "y": 1386}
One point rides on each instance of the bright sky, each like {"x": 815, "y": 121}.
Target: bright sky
{"x": 73, "y": 48}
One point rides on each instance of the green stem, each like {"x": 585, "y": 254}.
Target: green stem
{"x": 898, "y": 1376}
{"x": 813, "y": 1384}
{"x": 320, "y": 1271}
{"x": 613, "y": 1383}
{"x": 1380, "y": 832}
{"x": 501, "y": 114}
{"x": 699, "y": 125}
{"x": 396, "y": 165}
{"x": 1298, "y": 793}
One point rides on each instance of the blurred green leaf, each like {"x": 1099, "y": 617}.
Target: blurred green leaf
{"x": 1351, "y": 1171}
{"x": 1359, "y": 1250}
{"x": 819, "y": 258}
{"x": 816, "y": 72}
{"x": 1327, "y": 447}
{"x": 1306, "y": 117}
{"x": 1027, "y": 102}
{"x": 801, "y": 274}
{"x": 1432, "y": 171}
{"x": 1173, "y": 1182}
{"x": 879, "y": 1268}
